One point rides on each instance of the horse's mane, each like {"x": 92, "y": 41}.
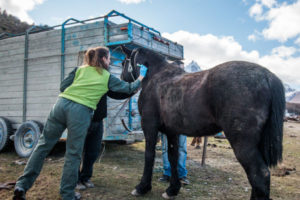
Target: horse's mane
{"x": 158, "y": 57}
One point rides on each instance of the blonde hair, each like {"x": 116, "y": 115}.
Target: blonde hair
{"x": 94, "y": 57}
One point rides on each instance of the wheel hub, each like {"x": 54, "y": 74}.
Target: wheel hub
{"x": 28, "y": 139}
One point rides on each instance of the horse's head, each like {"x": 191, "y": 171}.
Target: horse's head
{"x": 131, "y": 71}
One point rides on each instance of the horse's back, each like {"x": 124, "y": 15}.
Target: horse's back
{"x": 241, "y": 90}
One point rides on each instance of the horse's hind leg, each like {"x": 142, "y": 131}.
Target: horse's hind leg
{"x": 175, "y": 184}
{"x": 246, "y": 151}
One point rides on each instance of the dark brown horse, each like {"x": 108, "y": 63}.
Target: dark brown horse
{"x": 243, "y": 99}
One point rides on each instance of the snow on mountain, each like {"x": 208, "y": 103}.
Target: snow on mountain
{"x": 290, "y": 93}
{"x": 192, "y": 67}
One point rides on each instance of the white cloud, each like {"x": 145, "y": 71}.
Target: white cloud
{"x": 284, "y": 52}
{"x": 268, "y": 3}
{"x": 252, "y": 37}
{"x": 283, "y": 20}
{"x": 209, "y": 51}
{"x": 131, "y": 1}
{"x": 256, "y": 11}
{"x": 20, "y": 8}
{"x": 255, "y": 36}
{"x": 286, "y": 68}
{"x": 298, "y": 41}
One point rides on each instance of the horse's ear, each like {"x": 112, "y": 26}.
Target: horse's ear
{"x": 126, "y": 51}
{"x": 140, "y": 57}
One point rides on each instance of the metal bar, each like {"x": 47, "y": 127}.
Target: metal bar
{"x": 129, "y": 30}
{"x": 117, "y": 43}
{"x": 130, "y": 19}
{"x": 62, "y": 66}
{"x": 204, "y": 151}
{"x": 129, "y": 114}
{"x": 105, "y": 30}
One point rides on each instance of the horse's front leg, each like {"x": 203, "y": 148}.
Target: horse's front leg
{"x": 175, "y": 184}
{"x": 150, "y": 132}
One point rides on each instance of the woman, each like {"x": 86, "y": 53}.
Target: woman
{"x": 73, "y": 110}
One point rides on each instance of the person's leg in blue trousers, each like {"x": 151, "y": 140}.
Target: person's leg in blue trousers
{"x": 53, "y": 129}
{"x": 182, "y": 171}
{"x": 78, "y": 121}
{"x": 76, "y": 118}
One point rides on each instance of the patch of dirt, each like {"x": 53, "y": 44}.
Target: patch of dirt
{"x": 121, "y": 168}
{"x": 283, "y": 170}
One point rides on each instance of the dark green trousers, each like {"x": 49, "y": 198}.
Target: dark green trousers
{"x": 64, "y": 114}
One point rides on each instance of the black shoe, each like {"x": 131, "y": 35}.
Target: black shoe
{"x": 19, "y": 194}
{"x": 184, "y": 181}
{"x": 164, "y": 179}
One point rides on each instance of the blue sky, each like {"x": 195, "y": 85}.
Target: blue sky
{"x": 212, "y": 31}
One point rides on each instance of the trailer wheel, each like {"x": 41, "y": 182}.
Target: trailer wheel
{"x": 5, "y": 132}
{"x": 26, "y": 138}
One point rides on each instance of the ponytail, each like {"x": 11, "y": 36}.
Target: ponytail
{"x": 94, "y": 57}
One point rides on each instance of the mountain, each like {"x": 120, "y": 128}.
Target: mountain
{"x": 290, "y": 92}
{"x": 292, "y": 98}
{"x": 192, "y": 67}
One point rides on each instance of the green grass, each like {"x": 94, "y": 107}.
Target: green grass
{"x": 121, "y": 168}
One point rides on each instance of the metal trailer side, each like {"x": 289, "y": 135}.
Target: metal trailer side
{"x": 33, "y": 65}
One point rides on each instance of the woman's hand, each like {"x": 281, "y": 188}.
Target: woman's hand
{"x": 143, "y": 71}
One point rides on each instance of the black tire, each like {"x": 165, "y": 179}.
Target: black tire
{"x": 5, "y": 132}
{"x": 26, "y": 138}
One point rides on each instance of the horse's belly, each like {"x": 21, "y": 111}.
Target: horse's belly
{"x": 189, "y": 125}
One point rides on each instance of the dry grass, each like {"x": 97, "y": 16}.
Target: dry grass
{"x": 121, "y": 168}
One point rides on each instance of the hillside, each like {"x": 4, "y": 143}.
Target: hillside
{"x": 11, "y": 24}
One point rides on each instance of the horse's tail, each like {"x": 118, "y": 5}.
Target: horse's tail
{"x": 271, "y": 140}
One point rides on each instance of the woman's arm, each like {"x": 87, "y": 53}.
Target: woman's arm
{"x": 68, "y": 80}
{"x": 117, "y": 85}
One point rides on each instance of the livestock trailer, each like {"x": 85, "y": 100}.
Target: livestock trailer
{"x": 33, "y": 64}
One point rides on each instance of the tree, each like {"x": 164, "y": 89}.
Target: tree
{"x": 13, "y": 25}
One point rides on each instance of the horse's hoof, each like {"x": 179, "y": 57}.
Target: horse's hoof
{"x": 135, "y": 193}
{"x": 166, "y": 196}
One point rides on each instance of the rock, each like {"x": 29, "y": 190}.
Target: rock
{"x": 19, "y": 162}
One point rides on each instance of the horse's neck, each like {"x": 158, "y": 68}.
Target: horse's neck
{"x": 162, "y": 72}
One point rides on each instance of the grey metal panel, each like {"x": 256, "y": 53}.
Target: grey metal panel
{"x": 12, "y": 40}
{"x": 145, "y": 39}
{"x": 34, "y": 100}
{"x": 41, "y": 119}
{"x": 12, "y": 101}
{"x": 10, "y": 94}
{"x": 116, "y": 34}
{"x": 44, "y": 69}
{"x": 10, "y": 113}
{"x": 54, "y": 33}
{"x": 12, "y": 58}
{"x": 74, "y": 29}
{"x": 12, "y": 62}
